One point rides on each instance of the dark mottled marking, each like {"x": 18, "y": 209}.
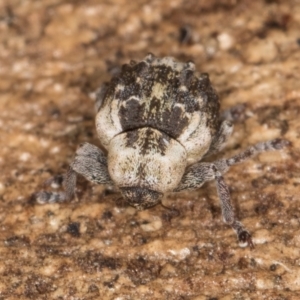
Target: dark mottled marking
{"x": 186, "y": 77}
{"x": 131, "y": 114}
{"x": 155, "y": 105}
{"x": 131, "y": 138}
{"x": 154, "y": 142}
{"x": 162, "y": 112}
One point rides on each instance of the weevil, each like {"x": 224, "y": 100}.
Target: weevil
{"x": 159, "y": 120}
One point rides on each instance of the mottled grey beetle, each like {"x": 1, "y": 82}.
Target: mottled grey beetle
{"x": 157, "y": 120}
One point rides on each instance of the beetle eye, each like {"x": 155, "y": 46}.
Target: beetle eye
{"x": 141, "y": 198}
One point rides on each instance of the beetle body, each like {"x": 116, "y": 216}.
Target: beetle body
{"x": 154, "y": 119}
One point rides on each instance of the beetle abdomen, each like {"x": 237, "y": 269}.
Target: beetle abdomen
{"x": 162, "y": 94}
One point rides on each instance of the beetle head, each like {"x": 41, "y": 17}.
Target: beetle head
{"x": 141, "y": 198}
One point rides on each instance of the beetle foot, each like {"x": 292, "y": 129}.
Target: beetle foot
{"x": 245, "y": 239}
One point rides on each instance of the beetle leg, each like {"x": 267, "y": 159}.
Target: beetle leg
{"x": 272, "y": 145}
{"x": 197, "y": 174}
{"x": 90, "y": 162}
{"x": 244, "y": 237}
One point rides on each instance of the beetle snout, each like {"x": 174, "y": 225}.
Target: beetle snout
{"x": 141, "y": 198}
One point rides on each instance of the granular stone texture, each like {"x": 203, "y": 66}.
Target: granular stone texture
{"x": 53, "y": 56}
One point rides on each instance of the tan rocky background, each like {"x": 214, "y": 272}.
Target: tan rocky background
{"x": 53, "y": 55}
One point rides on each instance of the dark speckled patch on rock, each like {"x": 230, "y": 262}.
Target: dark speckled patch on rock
{"x": 91, "y": 262}
{"x": 142, "y": 271}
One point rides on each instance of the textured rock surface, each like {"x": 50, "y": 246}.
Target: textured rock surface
{"x": 53, "y": 54}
